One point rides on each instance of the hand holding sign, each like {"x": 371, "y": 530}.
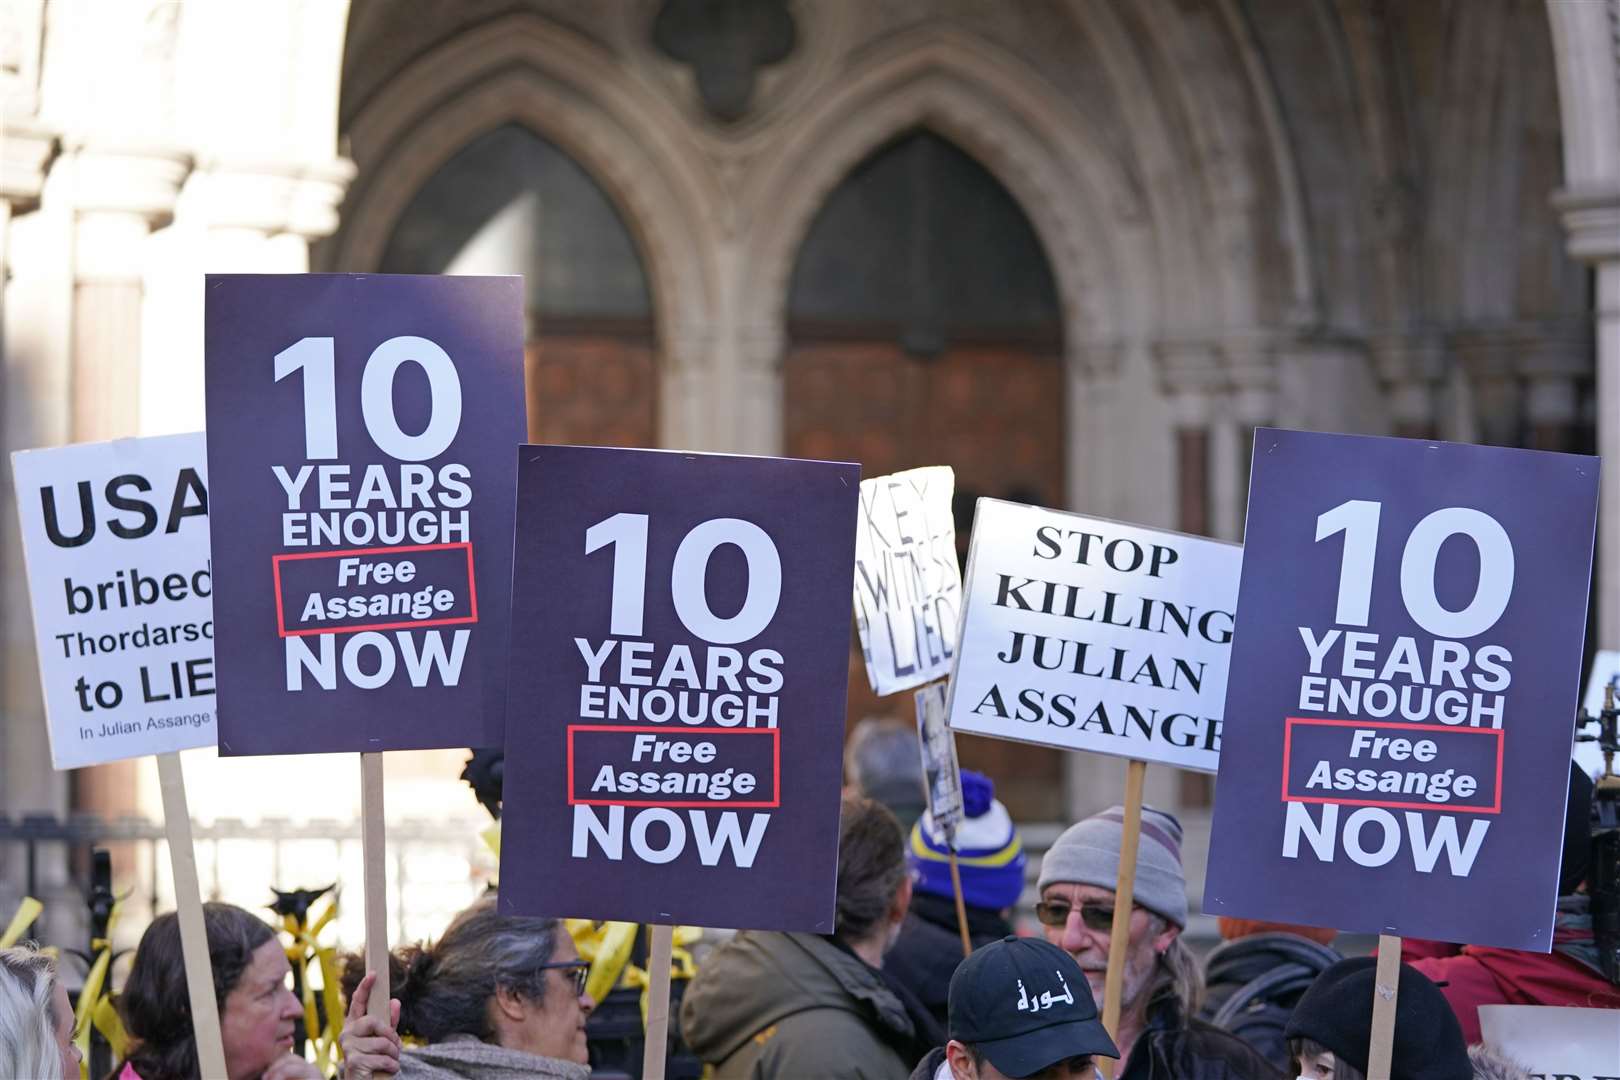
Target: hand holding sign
{"x": 355, "y": 519}
{"x": 124, "y": 626}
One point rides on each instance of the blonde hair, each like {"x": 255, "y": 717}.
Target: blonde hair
{"x": 27, "y": 1029}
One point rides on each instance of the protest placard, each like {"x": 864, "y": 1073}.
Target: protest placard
{"x": 908, "y": 587}
{"x": 115, "y": 539}
{"x": 679, "y": 667}
{"x": 942, "y": 775}
{"x": 362, "y": 453}
{"x": 942, "y": 783}
{"x": 1556, "y": 1043}
{"x": 1402, "y": 688}
{"x": 1095, "y": 635}
{"x": 362, "y": 437}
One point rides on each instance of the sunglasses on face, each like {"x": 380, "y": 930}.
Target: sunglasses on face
{"x": 579, "y": 969}
{"x": 1092, "y": 916}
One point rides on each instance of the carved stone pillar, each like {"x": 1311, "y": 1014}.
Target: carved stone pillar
{"x": 1190, "y": 374}
{"x": 117, "y": 195}
{"x": 1411, "y": 369}
{"x": 1091, "y": 385}
{"x": 1592, "y": 219}
{"x": 27, "y": 784}
{"x": 1250, "y": 365}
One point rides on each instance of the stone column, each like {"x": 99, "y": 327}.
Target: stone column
{"x": 1091, "y": 378}
{"x": 1584, "y": 39}
{"x": 1192, "y": 380}
{"x": 117, "y": 195}
{"x": 27, "y": 783}
{"x": 1250, "y": 365}
{"x": 1410, "y": 369}
{"x": 1592, "y": 219}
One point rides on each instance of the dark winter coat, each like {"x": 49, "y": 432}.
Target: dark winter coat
{"x": 928, "y": 1067}
{"x": 1175, "y": 1049}
{"x": 775, "y": 1006}
{"x": 1474, "y": 975}
{"x": 930, "y": 947}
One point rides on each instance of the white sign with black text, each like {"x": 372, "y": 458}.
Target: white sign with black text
{"x": 115, "y": 536}
{"x": 908, "y": 587}
{"x": 1095, "y": 635}
{"x": 942, "y": 776}
{"x": 1556, "y": 1043}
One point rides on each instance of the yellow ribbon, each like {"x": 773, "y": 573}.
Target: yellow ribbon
{"x": 94, "y": 999}
{"x": 27, "y": 912}
{"x": 305, "y": 947}
{"x": 681, "y": 966}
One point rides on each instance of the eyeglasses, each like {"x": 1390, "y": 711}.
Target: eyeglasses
{"x": 580, "y": 969}
{"x": 1093, "y": 916}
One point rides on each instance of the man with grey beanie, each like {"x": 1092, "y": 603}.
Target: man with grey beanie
{"x": 1159, "y": 1035}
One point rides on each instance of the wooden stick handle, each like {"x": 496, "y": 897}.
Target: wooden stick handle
{"x": 1124, "y": 892}
{"x": 374, "y": 853}
{"x": 961, "y": 907}
{"x": 1386, "y": 991}
{"x": 188, "y": 904}
{"x": 658, "y": 964}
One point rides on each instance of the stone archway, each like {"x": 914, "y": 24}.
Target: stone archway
{"x": 525, "y": 70}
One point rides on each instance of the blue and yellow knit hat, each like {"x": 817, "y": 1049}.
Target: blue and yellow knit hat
{"x": 988, "y": 851}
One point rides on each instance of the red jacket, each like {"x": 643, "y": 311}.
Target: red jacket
{"x": 1475, "y": 975}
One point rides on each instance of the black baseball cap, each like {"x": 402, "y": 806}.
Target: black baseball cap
{"x": 1025, "y": 1004}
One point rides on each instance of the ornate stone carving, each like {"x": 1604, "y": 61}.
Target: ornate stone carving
{"x": 725, "y": 42}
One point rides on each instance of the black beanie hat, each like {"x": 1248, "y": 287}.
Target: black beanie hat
{"x": 1577, "y": 832}
{"x": 1336, "y": 1012}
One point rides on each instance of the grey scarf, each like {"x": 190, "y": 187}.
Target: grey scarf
{"x": 466, "y": 1058}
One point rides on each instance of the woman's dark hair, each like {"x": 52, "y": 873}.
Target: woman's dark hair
{"x": 1299, "y": 1049}
{"x": 444, "y": 987}
{"x": 154, "y": 1003}
{"x": 871, "y": 866}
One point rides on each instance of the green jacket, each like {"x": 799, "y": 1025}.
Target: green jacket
{"x": 774, "y": 1006}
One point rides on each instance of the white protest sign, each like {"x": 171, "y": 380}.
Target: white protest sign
{"x": 942, "y": 776}
{"x": 1556, "y": 1043}
{"x": 908, "y": 588}
{"x": 1605, "y": 670}
{"x": 115, "y": 536}
{"x": 1095, "y": 635}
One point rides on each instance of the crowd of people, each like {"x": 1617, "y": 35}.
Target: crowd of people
{"x": 886, "y": 996}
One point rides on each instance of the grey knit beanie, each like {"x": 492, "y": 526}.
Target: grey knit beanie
{"x": 1088, "y": 854}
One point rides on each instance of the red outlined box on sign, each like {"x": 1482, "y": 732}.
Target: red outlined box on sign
{"x": 688, "y": 733}
{"x": 472, "y": 589}
{"x": 1288, "y": 747}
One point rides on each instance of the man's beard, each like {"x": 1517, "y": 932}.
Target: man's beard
{"x": 1139, "y": 971}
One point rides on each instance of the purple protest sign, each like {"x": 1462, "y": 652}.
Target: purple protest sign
{"x": 360, "y": 453}
{"x": 680, "y": 653}
{"x": 1402, "y": 690}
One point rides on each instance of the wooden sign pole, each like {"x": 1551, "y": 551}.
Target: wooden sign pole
{"x": 1386, "y": 990}
{"x": 188, "y": 905}
{"x": 658, "y": 965}
{"x": 374, "y": 853}
{"x": 1120, "y": 933}
{"x": 961, "y": 907}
